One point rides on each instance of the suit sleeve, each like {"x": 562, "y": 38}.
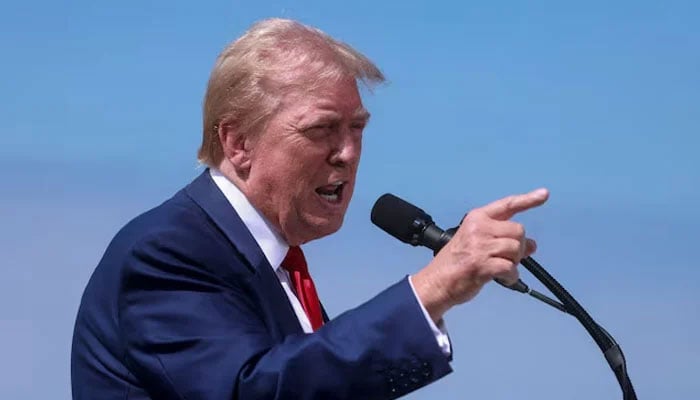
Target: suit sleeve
{"x": 191, "y": 335}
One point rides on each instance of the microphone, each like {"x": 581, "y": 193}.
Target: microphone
{"x": 412, "y": 225}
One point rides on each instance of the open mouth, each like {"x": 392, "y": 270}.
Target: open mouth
{"x": 332, "y": 193}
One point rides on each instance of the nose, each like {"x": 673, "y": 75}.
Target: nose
{"x": 347, "y": 149}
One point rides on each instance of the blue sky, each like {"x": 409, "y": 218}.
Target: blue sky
{"x": 599, "y": 102}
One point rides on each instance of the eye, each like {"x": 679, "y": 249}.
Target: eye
{"x": 358, "y": 125}
{"x": 318, "y": 130}
{"x": 322, "y": 127}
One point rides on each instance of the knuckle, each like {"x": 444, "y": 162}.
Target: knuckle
{"x": 498, "y": 272}
{"x": 514, "y": 246}
{"x": 499, "y": 266}
{"x": 473, "y": 227}
{"x": 484, "y": 275}
{"x": 475, "y": 214}
{"x": 509, "y": 267}
{"x": 513, "y": 277}
{"x": 511, "y": 201}
{"x": 519, "y": 230}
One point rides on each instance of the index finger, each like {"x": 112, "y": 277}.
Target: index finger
{"x": 506, "y": 207}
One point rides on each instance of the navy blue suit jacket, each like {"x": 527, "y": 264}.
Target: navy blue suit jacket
{"x": 184, "y": 305}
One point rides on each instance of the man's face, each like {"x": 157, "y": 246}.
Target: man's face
{"x": 303, "y": 166}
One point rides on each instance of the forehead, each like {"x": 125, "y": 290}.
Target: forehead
{"x": 333, "y": 97}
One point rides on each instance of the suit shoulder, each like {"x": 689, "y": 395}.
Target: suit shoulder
{"x": 177, "y": 231}
{"x": 177, "y": 214}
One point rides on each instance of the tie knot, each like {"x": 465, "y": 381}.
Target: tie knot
{"x": 295, "y": 261}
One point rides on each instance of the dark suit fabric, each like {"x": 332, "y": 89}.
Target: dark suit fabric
{"x": 184, "y": 305}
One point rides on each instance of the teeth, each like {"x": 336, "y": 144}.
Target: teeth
{"x": 330, "y": 197}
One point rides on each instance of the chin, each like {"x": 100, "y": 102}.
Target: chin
{"x": 318, "y": 229}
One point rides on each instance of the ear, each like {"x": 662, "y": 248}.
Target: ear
{"x": 236, "y": 147}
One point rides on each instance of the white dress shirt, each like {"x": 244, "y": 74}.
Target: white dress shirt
{"x": 275, "y": 249}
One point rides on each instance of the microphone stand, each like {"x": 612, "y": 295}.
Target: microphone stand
{"x": 607, "y": 344}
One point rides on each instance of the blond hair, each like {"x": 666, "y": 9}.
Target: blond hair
{"x": 272, "y": 58}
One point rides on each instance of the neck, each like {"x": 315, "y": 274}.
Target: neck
{"x": 229, "y": 171}
{"x": 240, "y": 180}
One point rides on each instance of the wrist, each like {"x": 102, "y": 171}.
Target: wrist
{"x": 431, "y": 295}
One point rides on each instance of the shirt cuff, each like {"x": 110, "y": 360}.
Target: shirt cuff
{"x": 439, "y": 330}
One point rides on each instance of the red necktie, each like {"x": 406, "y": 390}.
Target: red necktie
{"x": 295, "y": 264}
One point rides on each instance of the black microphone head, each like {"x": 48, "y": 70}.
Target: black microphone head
{"x": 400, "y": 218}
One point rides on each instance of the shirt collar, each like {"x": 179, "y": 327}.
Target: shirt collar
{"x": 271, "y": 243}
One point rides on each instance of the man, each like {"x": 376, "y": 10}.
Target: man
{"x": 208, "y": 296}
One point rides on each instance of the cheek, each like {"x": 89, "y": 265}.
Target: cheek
{"x": 350, "y": 191}
{"x": 296, "y": 171}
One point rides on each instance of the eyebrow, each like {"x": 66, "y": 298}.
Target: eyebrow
{"x": 361, "y": 113}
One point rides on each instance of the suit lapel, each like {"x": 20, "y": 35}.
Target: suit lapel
{"x": 325, "y": 315}
{"x": 278, "y": 311}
